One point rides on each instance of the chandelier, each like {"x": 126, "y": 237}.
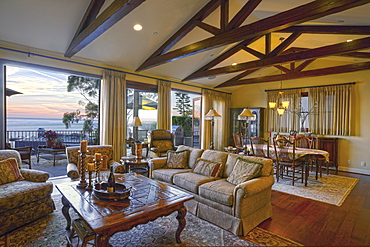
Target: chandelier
{"x": 281, "y": 105}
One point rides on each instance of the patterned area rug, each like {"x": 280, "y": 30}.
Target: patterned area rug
{"x": 49, "y": 231}
{"x": 330, "y": 189}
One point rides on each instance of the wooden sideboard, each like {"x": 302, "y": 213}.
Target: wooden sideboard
{"x": 330, "y": 144}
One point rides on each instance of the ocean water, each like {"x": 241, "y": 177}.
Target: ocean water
{"x": 32, "y": 124}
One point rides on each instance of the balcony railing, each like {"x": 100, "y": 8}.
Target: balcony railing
{"x": 34, "y": 138}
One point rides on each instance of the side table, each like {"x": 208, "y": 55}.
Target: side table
{"x": 138, "y": 165}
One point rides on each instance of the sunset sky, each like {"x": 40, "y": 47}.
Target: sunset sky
{"x": 44, "y": 94}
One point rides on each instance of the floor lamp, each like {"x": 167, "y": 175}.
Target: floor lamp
{"x": 211, "y": 116}
{"x": 138, "y": 146}
{"x": 244, "y": 116}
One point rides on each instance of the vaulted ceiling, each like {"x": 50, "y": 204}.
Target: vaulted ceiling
{"x": 215, "y": 43}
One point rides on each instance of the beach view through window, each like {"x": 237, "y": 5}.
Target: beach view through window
{"x": 41, "y": 101}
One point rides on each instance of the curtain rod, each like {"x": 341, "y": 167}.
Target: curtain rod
{"x": 102, "y": 67}
{"x": 271, "y": 90}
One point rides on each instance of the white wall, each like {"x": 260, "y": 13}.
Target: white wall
{"x": 355, "y": 148}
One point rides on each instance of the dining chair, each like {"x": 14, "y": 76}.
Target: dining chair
{"x": 304, "y": 142}
{"x": 287, "y": 165}
{"x": 260, "y": 147}
{"x": 319, "y": 160}
{"x": 238, "y": 142}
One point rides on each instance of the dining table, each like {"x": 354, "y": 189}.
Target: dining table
{"x": 307, "y": 154}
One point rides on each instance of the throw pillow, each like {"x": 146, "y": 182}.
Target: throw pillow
{"x": 244, "y": 170}
{"x": 207, "y": 168}
{"x": 177, "y": 159}
{"x": 9, "y": 171}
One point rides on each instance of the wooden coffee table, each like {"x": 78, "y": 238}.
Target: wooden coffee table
{"x": 149, "y": 200}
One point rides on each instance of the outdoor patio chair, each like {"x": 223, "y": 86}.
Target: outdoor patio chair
{"x": 25, "y": 153}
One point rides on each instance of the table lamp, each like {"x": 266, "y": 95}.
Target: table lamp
{"x": 245, "y": 116}
{"x": 211, "y": 116}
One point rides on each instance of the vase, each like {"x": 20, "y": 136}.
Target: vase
{"x": 139, "y": 150}
{"x": 49, "y": 144}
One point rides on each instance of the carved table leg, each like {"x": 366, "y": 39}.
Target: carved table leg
{"x": 102, "y": 240}
{"x": 182, "y": 222}
{"x": 65, "y": 211}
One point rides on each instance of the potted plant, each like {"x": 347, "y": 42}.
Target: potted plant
{"x": 58, "y": 143}
{"x": 50, "y": 136}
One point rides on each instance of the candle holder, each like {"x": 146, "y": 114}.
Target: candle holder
{"x": 82, "y": 184}
{"x": 97, "y": 171}
{"x": 90, "y": 187}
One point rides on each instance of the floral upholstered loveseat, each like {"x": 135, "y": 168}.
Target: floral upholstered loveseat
{"x": 26, "y": 199}
{"x": 219, "y": 198}
{"x": 73, "y": 156}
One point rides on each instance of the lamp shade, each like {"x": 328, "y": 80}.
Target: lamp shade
{"x": 246, "y": 113}
{"x": 136, "y": 122}
{"x": 212, "y": 113}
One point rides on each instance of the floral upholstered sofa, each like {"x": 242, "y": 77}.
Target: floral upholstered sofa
{"x": 25, "y": 195}
{"x": 217, "y": 181}
{"x": 73, "y": 157}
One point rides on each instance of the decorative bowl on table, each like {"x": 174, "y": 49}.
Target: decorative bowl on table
{"x": 121, "y": 192}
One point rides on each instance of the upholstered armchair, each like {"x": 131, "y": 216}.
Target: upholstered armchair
{"x": 160, "y": 141}
{"x": 25, "y": 194}
{"x": 73, "y": 154}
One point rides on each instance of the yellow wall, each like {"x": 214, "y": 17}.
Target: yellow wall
{"x": 355, "y": 148}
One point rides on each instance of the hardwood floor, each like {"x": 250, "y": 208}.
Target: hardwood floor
{"x": 314, "y": 223}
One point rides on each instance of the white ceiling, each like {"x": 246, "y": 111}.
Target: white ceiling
{"x": 50, "y": 25}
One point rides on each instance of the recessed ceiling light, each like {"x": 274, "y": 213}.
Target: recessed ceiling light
{"x": 138, "y": 27}
{"x": 211, "y": 77}
{"x": 155, "y": 33}
{"x": 349, "y": 40}
{"x": 340, "y": 21}
{"x": 233, "y": 64}
{"x": 211, "y": 55}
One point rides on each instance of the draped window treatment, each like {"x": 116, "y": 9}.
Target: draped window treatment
{"x": 221, "y": 103}
{"x": 113, "y": 112}
{"x": 288, "y": 121}
{"x": 164, "y": 105}
{"x": 333, "y": 112}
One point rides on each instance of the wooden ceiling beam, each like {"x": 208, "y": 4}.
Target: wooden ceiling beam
{"x": 324, "y": 51}
{"x": 327, "y": 29}
{"x": 280, "y": 48}
{"x": 243, "y": 14}
{"x": 296, "y": 75}
{"x": 304, "y": 65}
{"x": 255, "y": 53}
{"x": 348, "y": 54}
{"x": 225, "y": 55}
{"x": 90, "y": 15}
{"x": 301, "y": 14}
{"x": 224, "y": 17}
{"x": 185, "y": 29}
{"x": 110, "y": 16}
{"x": 211, "y": 29}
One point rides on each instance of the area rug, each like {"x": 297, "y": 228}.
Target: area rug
{"x": 49, "y": 231}
{"x": 330, "y": 189}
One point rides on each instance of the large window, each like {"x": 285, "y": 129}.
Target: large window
{"x": 41, "y": 100}
{"x": 186, "y": 112}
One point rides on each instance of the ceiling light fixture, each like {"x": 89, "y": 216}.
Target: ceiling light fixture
{"x": 349, "y": 40}
{"x": 138, "y": 27}
{"x": 233, "y": 64}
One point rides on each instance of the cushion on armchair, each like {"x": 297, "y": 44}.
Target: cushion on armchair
{"x": 9, "y": 171}
{"x": 244, "y": 170}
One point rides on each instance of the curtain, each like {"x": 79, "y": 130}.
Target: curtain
{"x": 288, "y": 121}
{"x": 164, "y": 105}
{"x": 113, "y": 112}
{"x": 333, "y": 111}
{"x": 221, "y": 103}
